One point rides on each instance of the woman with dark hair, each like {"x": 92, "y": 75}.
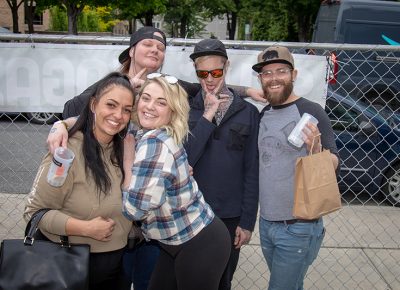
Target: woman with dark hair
{"x": 87, "y": 207}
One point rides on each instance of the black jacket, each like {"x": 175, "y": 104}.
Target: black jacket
{"x": 225, "y": 159}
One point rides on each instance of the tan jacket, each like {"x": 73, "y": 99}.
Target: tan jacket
{"x": 78, "y": 198}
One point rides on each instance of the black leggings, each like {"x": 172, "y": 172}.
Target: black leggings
{"x": 195, "y": 265}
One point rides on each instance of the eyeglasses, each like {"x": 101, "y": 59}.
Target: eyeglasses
{"x": 279, "y": 73}
{"x": 170, "y": 79}
{"x": 215, "y": 73}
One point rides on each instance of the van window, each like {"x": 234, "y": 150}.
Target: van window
{"x": 368, "y": 33}
{"x": 324, "y": 28}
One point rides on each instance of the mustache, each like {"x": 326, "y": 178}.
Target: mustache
{"x": 276, "y": 82}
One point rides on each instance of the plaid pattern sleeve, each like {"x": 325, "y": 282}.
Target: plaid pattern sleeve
{"x": 162, "y": 194}
{"x": 146, "y": 190}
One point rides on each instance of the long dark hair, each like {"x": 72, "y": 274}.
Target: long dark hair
{"x": 91, "y": 148}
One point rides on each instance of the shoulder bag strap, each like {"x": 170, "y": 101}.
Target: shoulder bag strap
{"x": 33, "y": 225}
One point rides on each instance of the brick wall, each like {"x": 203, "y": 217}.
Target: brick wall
{"x": 6, "y": 18}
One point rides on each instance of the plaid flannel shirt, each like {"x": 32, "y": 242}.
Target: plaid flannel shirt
{"x": 162, "y": 194}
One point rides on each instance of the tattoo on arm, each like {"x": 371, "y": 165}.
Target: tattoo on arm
{"x": 52, "y": 130}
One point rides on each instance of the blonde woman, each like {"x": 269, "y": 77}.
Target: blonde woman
{"x": 159, "y": 191}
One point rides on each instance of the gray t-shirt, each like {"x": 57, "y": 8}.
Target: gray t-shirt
{"x": 278, "y": 157}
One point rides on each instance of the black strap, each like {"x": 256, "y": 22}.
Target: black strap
{"x": 33, "y": 225}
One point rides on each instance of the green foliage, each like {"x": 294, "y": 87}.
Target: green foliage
{"x": 58, "y": 19}
{"x": 90, "y": 20}
{"x": 128, "y": 9}
{"x": 195, "y": 27}
{"x": 285, "y": 20}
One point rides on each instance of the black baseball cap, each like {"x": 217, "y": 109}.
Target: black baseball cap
{"x": 146, "y": 32}
{"x": 209, "y": 47}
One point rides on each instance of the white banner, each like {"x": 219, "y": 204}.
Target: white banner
{"x": 42, "y": 77}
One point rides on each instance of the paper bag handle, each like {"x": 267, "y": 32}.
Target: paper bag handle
{"x": 312, "y": 145}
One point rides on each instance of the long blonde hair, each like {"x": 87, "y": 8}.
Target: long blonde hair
{"x": 177, "y": 101}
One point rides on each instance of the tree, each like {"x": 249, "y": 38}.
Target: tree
{"x": 58, "y": 19}
{"x": 91, "y": 19}
{"x": 304, "y": 21}
{"x": 272, "y": 22}
{"x": 187, "y": 16}
{"x": 14, "y": 6}
{"x": 289, "y": 20}
{"x": 31, "y": 9}
{"x": 232, "y": 17}
{"x": 73, "y": 8}
{"x": 144, "y": 10}
{"x": 233, "y": 10}
{"x": 218, "y": 8}
{"x": 29, "y": 14}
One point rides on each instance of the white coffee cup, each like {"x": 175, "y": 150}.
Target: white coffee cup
{"x": 58, "y": 171}
{"x": 296, "y": 136}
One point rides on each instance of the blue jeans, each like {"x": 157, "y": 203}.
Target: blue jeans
{"x": 289, "y": 250}
{"x": 138, "y": 263}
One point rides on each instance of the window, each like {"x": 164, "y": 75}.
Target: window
{"x": 156, "y": 24}
{"x": 342, "y": 118}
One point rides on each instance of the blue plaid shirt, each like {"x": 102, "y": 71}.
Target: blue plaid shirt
{"x": 162, "y": 194}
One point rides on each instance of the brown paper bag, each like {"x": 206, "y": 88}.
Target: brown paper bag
{"x": 316, "y": 192}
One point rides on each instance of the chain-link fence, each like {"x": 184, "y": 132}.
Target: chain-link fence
{"x": 361, "y": 249}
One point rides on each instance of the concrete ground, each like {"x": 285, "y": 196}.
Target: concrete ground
{"x": 361, "y": 249}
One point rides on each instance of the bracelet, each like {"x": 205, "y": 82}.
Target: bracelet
{"x": 62, "y": 122}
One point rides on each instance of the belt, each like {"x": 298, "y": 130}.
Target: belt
{"x": 290, "y": 222}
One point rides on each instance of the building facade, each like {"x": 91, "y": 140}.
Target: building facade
{"x": 41, "y": 21}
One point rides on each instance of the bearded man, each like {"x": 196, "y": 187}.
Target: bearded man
{"x": 289, "y": 245}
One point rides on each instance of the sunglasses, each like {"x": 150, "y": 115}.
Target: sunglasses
{"x": 170, "y": 79}
{"x": 215, "y": 73}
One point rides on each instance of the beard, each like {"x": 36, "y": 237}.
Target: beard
{"x": 277, "y": 98}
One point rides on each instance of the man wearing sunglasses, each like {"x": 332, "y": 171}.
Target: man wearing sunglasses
{"x": 222, "y": 148}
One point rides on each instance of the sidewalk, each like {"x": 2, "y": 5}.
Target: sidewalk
{"x": 361, "y": 249}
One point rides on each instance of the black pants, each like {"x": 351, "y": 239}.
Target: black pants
{"x": 231, "y": 224}
{"x": 197, "y": 264}
{"x": 105, "y": 271}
